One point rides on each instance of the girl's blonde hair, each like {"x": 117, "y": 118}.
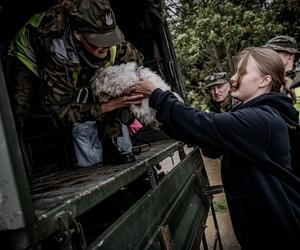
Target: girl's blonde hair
{"x": 268, "y": 62}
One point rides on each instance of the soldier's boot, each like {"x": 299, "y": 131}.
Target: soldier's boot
{"x": 113, "y": 155}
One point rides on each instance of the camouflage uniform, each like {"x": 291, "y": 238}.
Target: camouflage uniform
{"x": 227, "y": 105}
{"x": 63, "y": 67}
{"x": 217, "y": 79}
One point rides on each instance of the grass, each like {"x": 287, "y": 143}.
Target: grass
{"x": 220, "y": 206}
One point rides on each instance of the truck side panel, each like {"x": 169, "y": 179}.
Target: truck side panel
{"x": 15, "y": 199}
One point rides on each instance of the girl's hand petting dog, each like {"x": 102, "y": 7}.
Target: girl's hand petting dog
{"x": 121, "y": 102}
{"x": 144, "y": 87}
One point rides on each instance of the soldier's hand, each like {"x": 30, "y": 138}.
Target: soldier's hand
{"x": 121, "y": 102}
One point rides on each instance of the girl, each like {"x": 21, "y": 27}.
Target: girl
{"x": 261, "y": 190}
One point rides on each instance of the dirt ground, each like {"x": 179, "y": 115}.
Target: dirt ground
{"x": 228, "y": 239}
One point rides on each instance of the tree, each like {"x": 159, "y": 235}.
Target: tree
{"x": 209, "y": 34}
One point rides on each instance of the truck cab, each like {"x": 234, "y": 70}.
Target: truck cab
{"x": 158, "y": 202}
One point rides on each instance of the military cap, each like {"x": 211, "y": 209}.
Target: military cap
{"x": 96, "y": 20}
{"x": 283, "y": 43}
{"x": 216, "y": 79}
{"x": 296, "y": 82}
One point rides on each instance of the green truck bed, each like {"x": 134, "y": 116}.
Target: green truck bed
{"x": 160, "y": 210}
{"x": 45, "y": 204}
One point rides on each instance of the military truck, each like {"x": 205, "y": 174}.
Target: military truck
{"x": 159, "y": 202}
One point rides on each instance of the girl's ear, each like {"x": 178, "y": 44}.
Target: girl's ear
{"x": 265, "y": 81}
{"x": 77, "y": 35}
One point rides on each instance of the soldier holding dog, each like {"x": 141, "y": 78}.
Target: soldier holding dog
{"x": 55, "y": 54}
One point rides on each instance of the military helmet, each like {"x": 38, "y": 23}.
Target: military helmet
{"x": 216, "y": 79}
{"x": 96, "y": 20}
{"x": 283, "y": 43}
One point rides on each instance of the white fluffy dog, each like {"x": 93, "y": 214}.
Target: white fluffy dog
{"x": 114, "y": 80}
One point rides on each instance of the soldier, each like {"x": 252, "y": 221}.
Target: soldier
{"x": 59, "y": 51}
{"x": 220, "y": 100}
{"x": 286, "y": 47}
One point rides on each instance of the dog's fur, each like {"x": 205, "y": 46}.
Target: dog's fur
{"x": 114, "y": 80}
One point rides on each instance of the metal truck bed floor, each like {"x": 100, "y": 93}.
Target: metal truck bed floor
{"x": 78, "y": 190}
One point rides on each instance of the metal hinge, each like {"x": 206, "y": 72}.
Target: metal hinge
{"x": 212, "y": 190}
{"x": 70, "y": 234}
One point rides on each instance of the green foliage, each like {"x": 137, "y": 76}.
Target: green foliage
{"x": 220, "y": 206}
{"x": 208, "y": 35}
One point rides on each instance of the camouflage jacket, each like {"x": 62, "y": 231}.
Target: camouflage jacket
{"x": 226, "y": 106}
{"x": 61, "y": 65}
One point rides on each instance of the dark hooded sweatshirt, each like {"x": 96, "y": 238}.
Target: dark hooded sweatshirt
{"x": 262, "y": 193}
